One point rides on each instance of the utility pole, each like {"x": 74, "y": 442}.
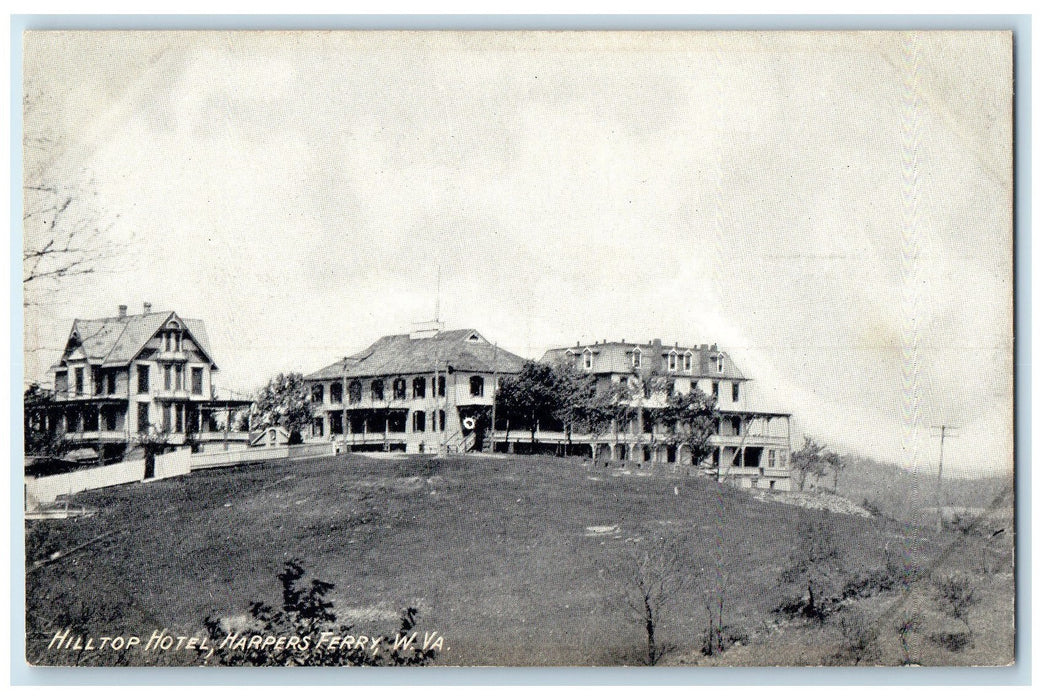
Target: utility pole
{"x": 945, "y": 429}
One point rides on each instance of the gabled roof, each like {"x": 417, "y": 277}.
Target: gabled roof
{"x": 117, "y": 340}
{"x": 464, "y": 350}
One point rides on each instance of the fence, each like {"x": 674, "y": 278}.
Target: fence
{"x": 210, "y": 460}
{"x": 245, "y": 455}
{"x": 171, "y": 464}
{"x": 47, "y": 489}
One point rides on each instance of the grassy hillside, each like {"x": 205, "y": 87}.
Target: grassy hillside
{"x": 519, "y": 560}
{"x": 912, "y": 497}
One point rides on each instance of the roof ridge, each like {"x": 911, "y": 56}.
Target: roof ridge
{"x": 116, "y": 342}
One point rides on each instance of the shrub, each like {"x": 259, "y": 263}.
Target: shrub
{"x": 952, "y": 641}
{"x": 955, "y": 596}
{"x": 306, "y": 613}
{"x": 873, "y": 508}
{"x": 859, "y": 637}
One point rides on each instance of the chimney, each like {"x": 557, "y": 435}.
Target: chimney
{"x": 122, "y": 310}
{"x": 148, "y": 307}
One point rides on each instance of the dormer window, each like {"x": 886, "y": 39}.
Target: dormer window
{"x": 672, "y": 362}
{"x": 636, "y": 357}
{"x": 588, "y": 359}
{"x": 719, "y": 363}
{"x": 687, "y": 361}
{"x": 473, "y": 338}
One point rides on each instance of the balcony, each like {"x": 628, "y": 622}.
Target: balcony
{"x": 93, "y": 398}
{"x": 95, "y": 436}
{"x": 220, "y": 436}
{"x": 749, "y": 441}
{"x": 172, "y": 356}
{"x": 180, "y": 395}
{"x": 172, "y": 394}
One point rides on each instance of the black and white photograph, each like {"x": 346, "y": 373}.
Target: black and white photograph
{"x": 518, "y": 348}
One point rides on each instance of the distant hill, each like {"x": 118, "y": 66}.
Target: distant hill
{"x": 909, "y": 496}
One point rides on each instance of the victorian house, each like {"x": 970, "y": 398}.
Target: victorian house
{"x": 128, "y": 376}
{"x": 427, "y": 391}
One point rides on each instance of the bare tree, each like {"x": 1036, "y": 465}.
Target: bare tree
{"x": 65, "y": 233}
{"x": 814, "y": 459}
{"x": 860, "y": 637}
{"x": 816, "y": 565}
{"x": 955, "y": 596}
{"x": 656, "y": 577}
{"x": 907, "y": 624}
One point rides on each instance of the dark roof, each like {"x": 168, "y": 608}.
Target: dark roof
{"x": 119, "y": 339}
{"x": 464, "y": 350}
{"x": 616, "y": 358}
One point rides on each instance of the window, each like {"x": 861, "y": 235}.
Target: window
{"x": 354, "y": 391}
{"x": 197, "y": 380}
{"x": 98, "y": 378}
{"x": 317, "y": 392}
{"x": 734, "y": 391}
{"x": 336, "y": 392}
{"x": 477, "y": 386}
{"x": 587, "y": 360}
{"x": 317, "y": 428}
{"x": 419, "y": 387}
{"x": 672, "y": 362}
{"x": 419, "y": 421}
{"x": 441, "y": 420}
{"x": 716, "y": 390}
{"x": 399, "y": 388}
{"x": 178, "y": 418}
{"x": 165, "y": 413}
{"x": 142, "y": 379}
{"x": 770, "y": 460}
{"x": 79, "y": 380}
{"x": 179, "y": 377}
{"x": 110, "y": 383}
{"x": 166, "y": 342}
{"x": 177, "y": 342}
{"x": 168, "y": 377}
{"x": 376, "y": 390}
{"x": 736, "y": 425}
{"x": 441, "y": 388}
{"x": 687, "y": 362}
{"x": 336, "y": 423}
{"x": 719, "y": 363}
{"x": 61, "y": 382}
{"x": 636, "y": 357}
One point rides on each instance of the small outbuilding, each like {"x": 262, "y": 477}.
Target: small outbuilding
{"x": 272, "y": 436}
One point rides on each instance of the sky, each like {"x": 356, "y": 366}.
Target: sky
{"x": 834, "y": 209}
